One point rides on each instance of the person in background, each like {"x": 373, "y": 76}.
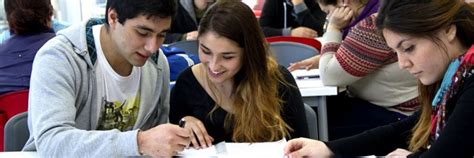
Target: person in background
{"x": 238, "y": 93}
{"x": 102, "y": 89}
{"x": 56, "y": 26}
{"x": 348, "y": 14}
{"x": 186, "y": 21}
{"x": 437, "y": 48}
{"x": 259, "y": 5}
{"x": 30, "y": 23}
{"x": 378, "y": 91}
{"x": 300, "y": 18}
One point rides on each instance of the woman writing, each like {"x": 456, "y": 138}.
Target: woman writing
{"x": 355, "y": 56}
{"x": 437, "y": 48}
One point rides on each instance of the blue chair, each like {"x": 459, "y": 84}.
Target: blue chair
{"x": 307, "y": 41}
{"x": 312, "y": 121}
{"x": 16, "y": 132}
{"x": 290, "y": 52}
{"x": 188, "y": 46}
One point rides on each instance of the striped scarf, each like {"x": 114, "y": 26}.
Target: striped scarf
{"x": 457, "y": 72}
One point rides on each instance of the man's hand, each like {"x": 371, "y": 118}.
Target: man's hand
{"x": 296, "y": 2}
{"x": 304, "y": 32}
{"x": 191, "y": 35}
{"x": 163, "y": 140}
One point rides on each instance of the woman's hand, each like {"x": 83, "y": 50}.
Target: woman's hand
{"x": 398, "y": 153}
{"x": 200, "y": 138}
{"x": 340, "y": 18}
{"x": 296, "y": 2}
{"x": 304, "y": 147}
{"x": 310, "y": 63}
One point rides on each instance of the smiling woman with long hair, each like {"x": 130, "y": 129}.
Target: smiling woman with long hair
{"x": 238, "y": 93}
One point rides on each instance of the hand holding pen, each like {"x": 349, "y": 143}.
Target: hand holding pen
{"x": 182, "y": 122}
{"x": 200, "y": 139}
{"x": 163, "y": 140}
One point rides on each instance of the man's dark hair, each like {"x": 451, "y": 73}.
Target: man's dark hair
{"x": 128, "y": 9}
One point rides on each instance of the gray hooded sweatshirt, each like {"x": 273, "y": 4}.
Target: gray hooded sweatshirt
{"x": 64, "y": 107}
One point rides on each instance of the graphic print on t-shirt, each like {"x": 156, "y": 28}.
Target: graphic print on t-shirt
{"x": 118, "y": 115}
{"x": 120, "y": 94}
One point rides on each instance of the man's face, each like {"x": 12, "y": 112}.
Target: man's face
{"x": 138, "y": 38}
{"x": 203, "y": 4}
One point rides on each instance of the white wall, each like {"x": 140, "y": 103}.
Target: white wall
{"x": 69, "y": 11}
{"x": 3, "y": 18}
{"x": 2, "y": 11}
{"x": 74, "y": 11}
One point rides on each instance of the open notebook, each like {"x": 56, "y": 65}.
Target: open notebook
{"x": 238, "y": 150}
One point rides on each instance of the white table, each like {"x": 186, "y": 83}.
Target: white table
{"x": 314, "y": 94}
{"x": 18, "y": 154}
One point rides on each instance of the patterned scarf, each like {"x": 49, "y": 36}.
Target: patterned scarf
{"x": 460, "y": 69}
{"x": 90, "y": 37}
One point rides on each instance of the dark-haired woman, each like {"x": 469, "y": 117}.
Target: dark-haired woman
{"x": 30, "y": 23}
{"x": 437, "y": 48}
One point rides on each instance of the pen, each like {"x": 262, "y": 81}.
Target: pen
{"x": 182, "y": 122}
{"x": 306, "y": 77}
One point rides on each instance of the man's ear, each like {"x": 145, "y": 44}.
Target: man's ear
{"x": 112, "y": 18}
{"x": 451, "y": 32}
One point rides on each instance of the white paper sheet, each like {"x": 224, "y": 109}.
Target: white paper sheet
{"x": 307, "y": 78}
{"x": 302, "y": 73}
{"x": 238, "y": 150}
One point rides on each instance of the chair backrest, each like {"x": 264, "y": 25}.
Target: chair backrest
{"x": 188, "y": 46}
{"x": 312, "y": 121}
{"x": 16, "y": 132}
{"x": 178, "y": 60}
{"x": 289, "y": 52}
{"x": 11, "y": 104}
{"x": 257, "y": 13}
{"x": 307, "y": 41}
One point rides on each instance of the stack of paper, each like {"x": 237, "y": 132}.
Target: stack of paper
{"x": 238, "y": 150}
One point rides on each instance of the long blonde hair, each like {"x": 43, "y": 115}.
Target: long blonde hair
{"x": 421, "y": 132}
{"x": 256, "y": 103}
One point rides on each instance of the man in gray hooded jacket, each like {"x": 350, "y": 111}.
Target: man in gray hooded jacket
{"x": 101, "y": 90}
